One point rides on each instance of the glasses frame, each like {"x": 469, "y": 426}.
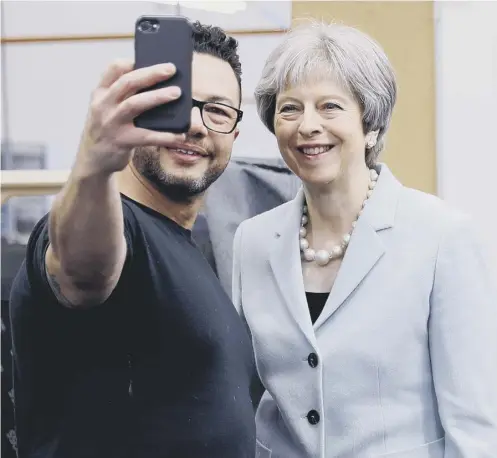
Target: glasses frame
{"x": 200, "y": 105}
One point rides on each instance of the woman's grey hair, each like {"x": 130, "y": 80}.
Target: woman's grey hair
{"x": 343, "y": 53}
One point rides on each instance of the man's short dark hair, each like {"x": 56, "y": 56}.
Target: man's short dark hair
{"x": 208, "y": 39}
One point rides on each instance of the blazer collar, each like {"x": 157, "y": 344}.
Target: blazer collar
{"x": 364, "y": 251}
{"x": 380, "y": 209}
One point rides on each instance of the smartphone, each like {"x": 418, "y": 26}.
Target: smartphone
{"x": 164, "y": 39}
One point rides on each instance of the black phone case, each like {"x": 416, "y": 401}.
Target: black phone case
{"x": 171, "y": 42}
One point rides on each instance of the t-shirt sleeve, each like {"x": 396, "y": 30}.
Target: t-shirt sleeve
{"x": 39, "y": 242}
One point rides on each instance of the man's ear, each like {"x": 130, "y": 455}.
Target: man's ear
{"x": 237, "y": 132}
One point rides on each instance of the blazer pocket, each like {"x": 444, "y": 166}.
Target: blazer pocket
{"x": 435, "y": 449}
{"x": 261, "y": 451}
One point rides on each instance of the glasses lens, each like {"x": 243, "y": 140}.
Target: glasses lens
{"x": 218, "y": 117}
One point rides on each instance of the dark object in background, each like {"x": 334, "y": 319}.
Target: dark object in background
{"x": 247, "y": 188}
{"x": 12, "y": 257}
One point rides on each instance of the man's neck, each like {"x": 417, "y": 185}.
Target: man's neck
{"x": 138, "y": 188}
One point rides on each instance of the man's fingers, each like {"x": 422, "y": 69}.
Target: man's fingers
{"x": 137, "y": 104}
{"x": 114, "y": 71}
{"x": 137, "y": 80}
{"x": 144, "y": 137}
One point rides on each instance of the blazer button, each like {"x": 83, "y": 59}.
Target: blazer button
{"x": 312, "y": 359}
{"x": 313, "y": 417}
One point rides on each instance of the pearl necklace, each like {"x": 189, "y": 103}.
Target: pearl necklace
{"x": 323, "y": 257}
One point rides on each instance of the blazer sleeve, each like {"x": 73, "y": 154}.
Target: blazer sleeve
{"x": 256, "y": 387}
{"x": 463, "y": 345}
{"x": 236, "y": 284}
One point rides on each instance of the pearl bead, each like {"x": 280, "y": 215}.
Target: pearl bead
{"x": 309, "y": 254}
{"x": 322, "y": 257}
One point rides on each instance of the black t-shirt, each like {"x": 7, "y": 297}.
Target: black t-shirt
{"x": 161, "y": 369}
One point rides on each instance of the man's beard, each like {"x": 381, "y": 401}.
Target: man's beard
{"x": 147, "y": 162}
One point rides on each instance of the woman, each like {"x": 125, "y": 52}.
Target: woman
{"x": 371, "y": 313}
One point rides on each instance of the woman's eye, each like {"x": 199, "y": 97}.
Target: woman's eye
{"x": 331, "y": 106}
{"x": 287, "y": 108}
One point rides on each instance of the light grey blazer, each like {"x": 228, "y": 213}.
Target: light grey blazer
{"x": 406, "y": 343}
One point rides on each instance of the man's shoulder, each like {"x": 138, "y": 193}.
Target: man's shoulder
{"x": 34, "y": 258}
{"x": 137, "y": 214}
{"x": 132, "y": 210}
{"x": 30, "y": 275}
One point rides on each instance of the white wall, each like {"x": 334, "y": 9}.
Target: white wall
{"x": 48, "y": 85}
{"x": 466, "y": 52}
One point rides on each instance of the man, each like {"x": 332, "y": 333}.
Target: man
{"x": 124, "y": 342}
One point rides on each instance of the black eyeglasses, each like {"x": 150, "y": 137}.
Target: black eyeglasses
{"x": 218, "y": 117}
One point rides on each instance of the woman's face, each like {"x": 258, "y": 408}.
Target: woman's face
{"x": 318, "y": 126}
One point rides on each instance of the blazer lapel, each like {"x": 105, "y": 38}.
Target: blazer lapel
{"x": 363, "y": 252}
{"x": 365, "y": 249}
{"x": 366, "y": 246}
{"x": 286, "y": 265}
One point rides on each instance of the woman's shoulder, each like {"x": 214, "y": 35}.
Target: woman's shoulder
{"x": 430, "y": 210}
{"x": 410, "y": 205}
{"x": 267, "y": 220}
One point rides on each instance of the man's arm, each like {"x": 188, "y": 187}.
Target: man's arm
{"x": 87, "y": 247}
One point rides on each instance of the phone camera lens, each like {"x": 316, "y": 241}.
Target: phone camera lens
{"x": 147, "y": 26}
